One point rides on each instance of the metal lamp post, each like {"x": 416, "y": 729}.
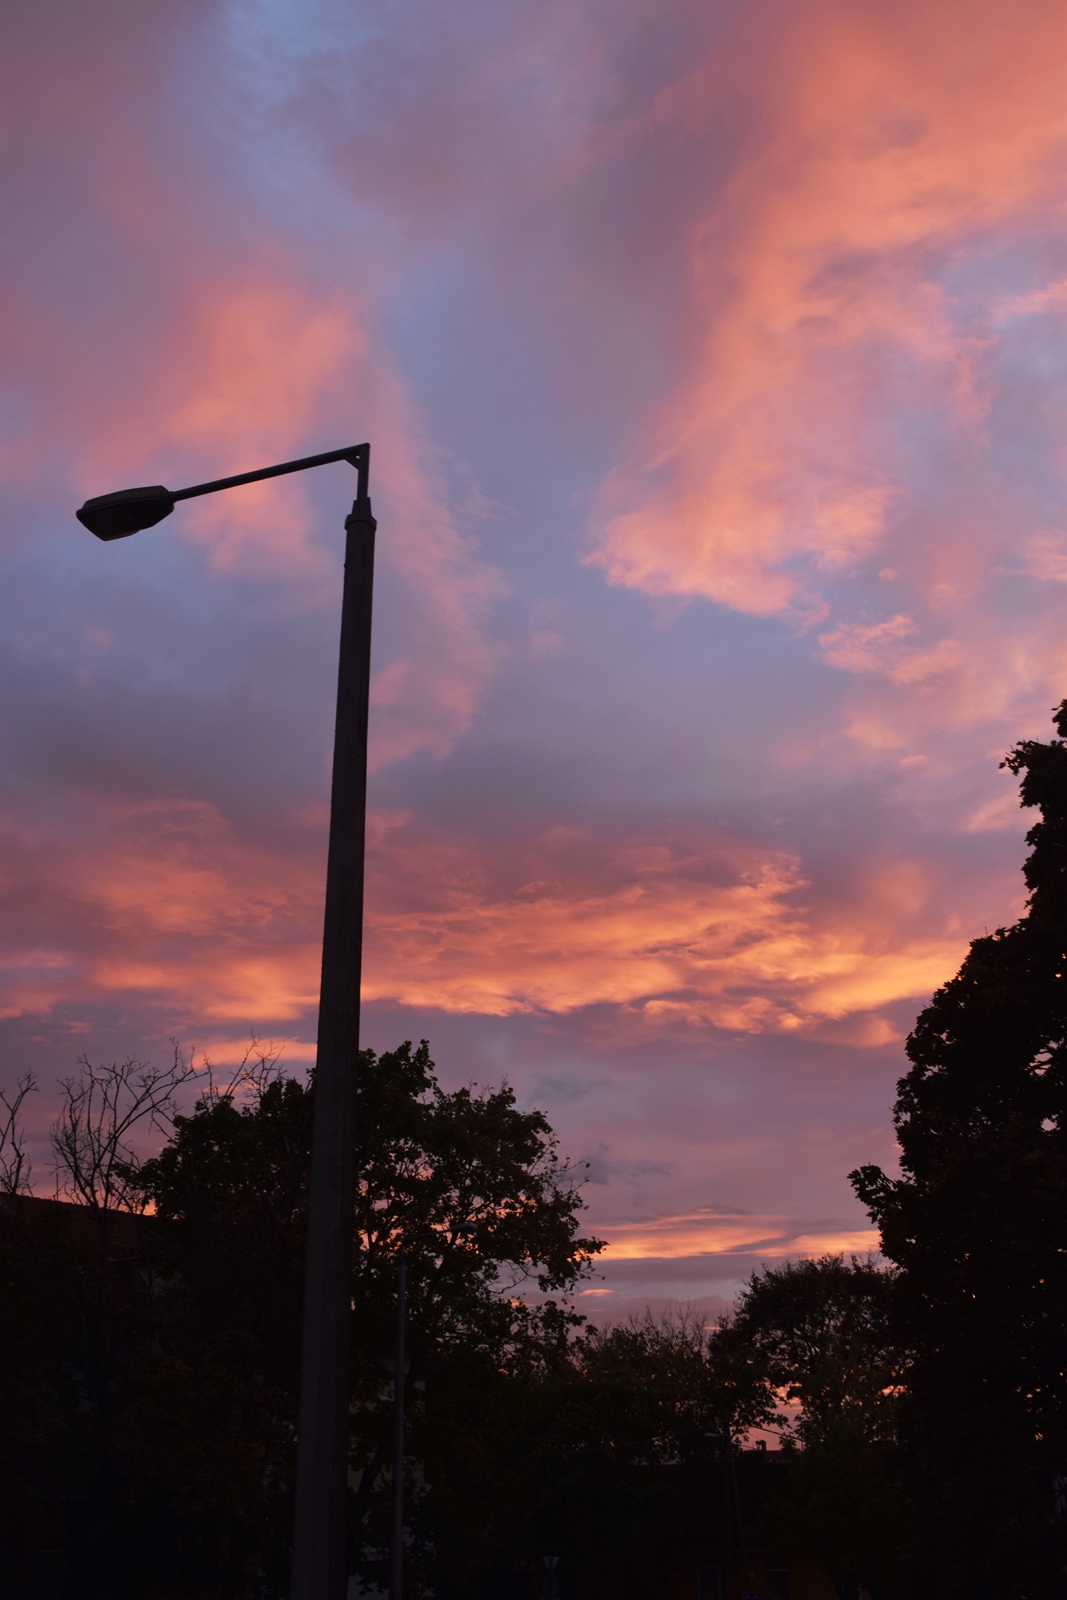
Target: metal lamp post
{"x": 318, "y": 1570}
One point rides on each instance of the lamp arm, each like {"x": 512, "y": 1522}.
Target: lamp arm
{"x": 357, "y": 455}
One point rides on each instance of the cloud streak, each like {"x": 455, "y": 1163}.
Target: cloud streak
{"x": 165, "y": 901}
{"x": 695, "y": 931}
{"x": 710, "y": 1233}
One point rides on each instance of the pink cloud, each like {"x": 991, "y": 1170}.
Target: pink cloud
{"x": 887, "y": 138}
{"x": 166, "y": 902}
{"x": 879, "y": 647}
{"x": 675, "y": 929}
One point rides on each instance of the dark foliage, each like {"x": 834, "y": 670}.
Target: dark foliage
{"x": 606, "y": 1450}
{"x": 978, "y": 1226}
{"x": 821, "y": 1334}
{"x": 151, "y": 1362}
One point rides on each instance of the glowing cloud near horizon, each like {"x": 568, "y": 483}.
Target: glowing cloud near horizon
{"x": 708, "y": 1232}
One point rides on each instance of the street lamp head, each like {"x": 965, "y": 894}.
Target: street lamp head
{"x": 116, "y": 516}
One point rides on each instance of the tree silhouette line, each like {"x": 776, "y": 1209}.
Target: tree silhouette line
{"x": 150, "y": 1327}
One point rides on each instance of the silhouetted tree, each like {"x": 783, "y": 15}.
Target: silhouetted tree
{"x": 604, "y": 1448}
{"x": 230, "y": 1191}
{"x": 978, "y": 1225}
{"x": 102, "y": 1106}
{"x": 15, "y": 1168}
{"x": 148, "y": 1371}
{"x": 821, "y": 1334}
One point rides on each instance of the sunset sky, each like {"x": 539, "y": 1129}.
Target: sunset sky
{"x": 711, "y": 358}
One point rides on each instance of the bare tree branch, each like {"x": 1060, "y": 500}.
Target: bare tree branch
{"x": 95, "y": 1162}
{"x": 259, "y": 1066}
{"x": 14, "y": 1163}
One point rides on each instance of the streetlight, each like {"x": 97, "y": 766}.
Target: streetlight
{"x": 396, "y": 1552}
{"x": 318, "y": 1570}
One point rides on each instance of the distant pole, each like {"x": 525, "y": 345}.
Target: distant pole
{"x": 396, "y": 1579}
{"x": 732, "y": 1466}
{"x": 318, "y": 1570}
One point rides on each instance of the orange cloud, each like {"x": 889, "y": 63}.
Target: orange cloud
{"x": 710, "y": 1232}
{"x": 164, "y": 901}
{"x": 885, "y": 136}
{"x": 675, "y": 930}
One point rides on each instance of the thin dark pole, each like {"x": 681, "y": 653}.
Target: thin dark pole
{"x": 318, "y": 1569}
{"x": 396, "y": 1580}
{"x": 727, "y": 1470}
{"x": 732, "y": 1465}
